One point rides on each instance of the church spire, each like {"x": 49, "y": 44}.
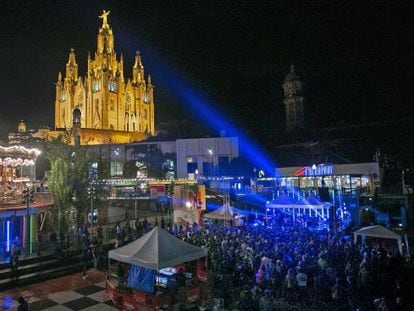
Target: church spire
{"x": 72, "y": 66}
{"x": 138, "y": 69}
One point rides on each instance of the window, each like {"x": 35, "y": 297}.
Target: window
{"x": 112, "y": 106}
{"x": 96, "y": 85}
{"x": 128, "y": 100}
{"x": 112, "y": 86}
{"x": 63, "y": 96}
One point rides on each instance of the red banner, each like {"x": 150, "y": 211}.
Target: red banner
{"x": 139, "y": 297}
{"x": 128, "y": 303}
{"x": 202, "y": 274}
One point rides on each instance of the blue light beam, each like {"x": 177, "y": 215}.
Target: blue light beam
{"x": 198, "y": 104}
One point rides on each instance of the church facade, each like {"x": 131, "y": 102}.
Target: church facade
{"x": 102, "y": 107}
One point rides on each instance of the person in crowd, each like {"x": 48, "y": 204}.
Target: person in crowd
{"x": 260, "y": 275}
{"x": 266, "y": 303}
{"x": 99, "y": 231}
{"x": 127, "y": 233}
{"x": 290, "y": 284}
{"x": 14, "y": 261}
{"x": 53, "y": 242}
{"x": 118, "y": 232}
{"x": 23, "y": 305}
{"x": 85, "y": 255}
{"x": 302, "y": 282}
{"x": 85, "y": 230}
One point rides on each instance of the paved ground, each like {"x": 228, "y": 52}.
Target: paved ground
{"x": 66, "y": 293}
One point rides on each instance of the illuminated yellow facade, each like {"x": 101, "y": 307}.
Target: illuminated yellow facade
{"x": 102, "y": 107}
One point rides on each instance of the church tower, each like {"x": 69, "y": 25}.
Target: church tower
{"x": 109, "y": 109}
{"x": 292, "y": 88}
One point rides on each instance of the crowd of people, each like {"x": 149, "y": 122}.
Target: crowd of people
{"x": 274, "y": 264}
{"x": 258, "y": 266}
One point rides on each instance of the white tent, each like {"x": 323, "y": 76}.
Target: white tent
{"x": 222, "y": 213}
{"x": 379, "y": 232}
{"x": 156, "y": 250}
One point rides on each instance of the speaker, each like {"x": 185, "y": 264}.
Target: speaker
{"x": 324, "y": 194}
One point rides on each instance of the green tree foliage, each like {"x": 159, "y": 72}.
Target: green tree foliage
{"x": 58, "y": 180}
{"x": 68, "y": 180}
{"x": 81, "y": 162}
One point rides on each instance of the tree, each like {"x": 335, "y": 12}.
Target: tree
{"x": 68, "y": 180}
{"x": 58, "y": 180}
{"x": 81, "y": 163}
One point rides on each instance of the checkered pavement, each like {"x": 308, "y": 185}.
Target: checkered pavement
{"x": 90, "y": 298}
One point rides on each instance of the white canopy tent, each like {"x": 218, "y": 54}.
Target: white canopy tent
{"x": 156, "y": 250}
{"x": 310, "y": 205}
{"x": 378, "y": 231}
{"x": 222, "y": 213}
{"x": 225, "y": 212}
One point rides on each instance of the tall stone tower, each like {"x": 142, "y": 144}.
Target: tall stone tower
{"x": 293, "y": 101}
{"x": 108, "y": 107}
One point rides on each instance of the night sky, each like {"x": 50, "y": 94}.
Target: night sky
{"x": 356, "y": 59}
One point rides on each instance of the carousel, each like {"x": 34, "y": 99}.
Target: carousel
{"x": 17, "y": 169}
{"x": 156, "y": 272}
{"x": 18, "y": 209}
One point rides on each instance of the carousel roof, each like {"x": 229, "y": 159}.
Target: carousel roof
{"x": 19, "y": 152}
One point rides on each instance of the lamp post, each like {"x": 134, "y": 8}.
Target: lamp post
{"x": 27, "y": 197}
{"x": 91, "y": 193}
{"x": 135, "y": 196}
{"x": 116, "y": 152}
{"x": 210, "y": 153}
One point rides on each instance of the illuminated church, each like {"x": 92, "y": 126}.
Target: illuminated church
{"x": 102, "y": 107}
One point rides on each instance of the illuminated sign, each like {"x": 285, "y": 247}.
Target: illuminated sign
{"x": 315, "y": 170}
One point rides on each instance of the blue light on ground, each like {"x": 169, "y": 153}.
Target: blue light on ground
{"x": 7, "y": 302}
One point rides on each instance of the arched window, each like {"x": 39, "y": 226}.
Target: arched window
{"x": 96, "y": 85}
{"x": 76, "y": 117}
{"x": 112, "y": 86}
{"x": 63, "y": 96}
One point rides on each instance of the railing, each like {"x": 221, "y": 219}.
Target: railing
{"x": 29, "y": 250}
